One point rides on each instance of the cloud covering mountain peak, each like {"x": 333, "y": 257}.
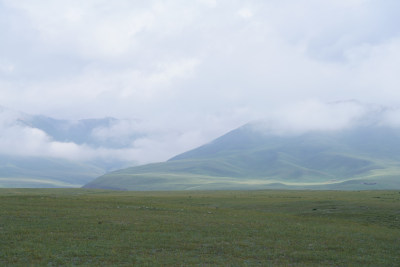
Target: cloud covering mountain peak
{"x": 190, "y": 71}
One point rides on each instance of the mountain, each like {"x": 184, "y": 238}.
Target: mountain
{"x": 362, "y": 157}
{"x": 42, "y": 169}
{"x": 23, "y": 171}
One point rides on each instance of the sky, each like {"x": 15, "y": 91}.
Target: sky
{"x": 190, "y": 71}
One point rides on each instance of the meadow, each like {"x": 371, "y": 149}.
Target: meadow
{"x": 67, "y": 227}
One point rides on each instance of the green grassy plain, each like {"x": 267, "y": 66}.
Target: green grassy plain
{"x": 64, "y": 227}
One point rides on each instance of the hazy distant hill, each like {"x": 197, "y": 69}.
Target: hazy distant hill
{"x": 46, "y": 171}
{"x": 19, "y": 171}
{"x": 359, "y": 158}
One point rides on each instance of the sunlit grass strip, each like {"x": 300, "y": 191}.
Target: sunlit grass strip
{"x": 32, "y": 182}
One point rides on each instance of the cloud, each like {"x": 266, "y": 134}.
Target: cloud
{"x": 140, "y": 142}
{"x": 314, "y": 115}
{"x": 85, "y": 53}
{"x": 20, "y": 140}
{"x": 196, "y": 68}
{"x": 245, "y": 13}
{"x": 132, "y": 141}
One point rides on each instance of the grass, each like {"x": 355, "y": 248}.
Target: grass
{"x": 64, "y": 227}
{"x": 382, "y": 180}
{"x": 30, "y": 182}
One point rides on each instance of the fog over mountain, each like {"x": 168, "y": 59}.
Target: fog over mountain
{"x": 56, "y": 152}
{"x": 143, "y": 81}
{"x": 104, "y": 139}
{"x": 353, "y": 159}
{"x": 194, "y": 70}
{"x": 143, "y": 142}
{"x": 347, "y": 150}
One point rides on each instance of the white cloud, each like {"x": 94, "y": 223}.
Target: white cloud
{"x": 245, "y": 13}
{"x": 196, "y": 68}
{"x": 140, "y": 142}
{"x": 6, "y": 68}
{"x": 314, "y": 115}
{"x": 209, "y": 3}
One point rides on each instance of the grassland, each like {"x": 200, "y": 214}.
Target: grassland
{"x": 56, "y": 227}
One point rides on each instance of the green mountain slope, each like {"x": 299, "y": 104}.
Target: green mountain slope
{"x": 362, "y": 157}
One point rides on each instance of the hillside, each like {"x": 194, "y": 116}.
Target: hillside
{"x": 18, "y": 171}
{"x": 359, "y": 158}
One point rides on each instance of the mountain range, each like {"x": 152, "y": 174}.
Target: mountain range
{"x": 254, "y": 156}
{"x": 25, "y": 170}
{"x": 250, "y": 157}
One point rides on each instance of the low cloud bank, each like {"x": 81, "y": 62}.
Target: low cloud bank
{"x": 314, "y": 115}
{"x": 141, "y": 142}
{"x": 122, "y": 140}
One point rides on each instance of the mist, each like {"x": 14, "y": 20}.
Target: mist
{"x": 139, "y": 142}
{"x": 178, "y": 74}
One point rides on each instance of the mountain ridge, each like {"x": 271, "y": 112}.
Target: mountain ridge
{"x": 316, "y": 157}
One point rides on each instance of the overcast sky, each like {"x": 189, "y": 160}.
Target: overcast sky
{"x": 197, "y": 69}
